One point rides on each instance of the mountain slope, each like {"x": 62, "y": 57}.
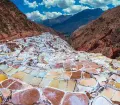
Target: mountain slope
{"x": 14, "y": 24}
{"x": 77, "y": 20}
{"x": 58, "y": 20}
{"x": 101, "y": 35}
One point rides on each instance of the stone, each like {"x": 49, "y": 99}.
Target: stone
{"x": 19, "y": 75}
{"x": 75, "y": 99}
{"x": 15, "y": 86}
{"x": 62, "y": 85}
{"x": 53, "y": 75}
{"x": 42, "y": 74}
{"x": 71, "y": 85}
{"x": 7, "y": 82}
{"x": 1, "y": 86}
{"x": 116, "y": 97}
{"x": 54, "y": 83}
{"x": 3, "y": 67}
{"x": 81, "y": 88}
{"x": 79, "y": 65}
{"x": 11, "y": 72}
{"x": 53, "y": 95}
{"x": 101, "y": 100}
{"x": 76, "y": 75}
{"x": 67, "y": 75}
{"x": 85, "y": 75}
{"x": 92, "y": 70}
{"x": 108, "y": 92}
{"x": 3, "y": 77}
{"x": 35, "y": 81}
{"x": 34, "y": 73}
{"x": 26, "y": 97}
{"x": 45, "y": 82}
{"x": 6, "y": 93}
{"x": 117, "y": 85}
{"x": 88, "y": 82}
{"x": 1, "y": 100}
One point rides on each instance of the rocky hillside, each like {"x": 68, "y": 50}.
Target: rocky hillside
{"x": 14, "y": 24}
{"x": 101, "y": 35}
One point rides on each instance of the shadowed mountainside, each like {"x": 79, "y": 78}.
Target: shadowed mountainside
{"x": 101, "y": 35}
{"x": 71, "y": 23}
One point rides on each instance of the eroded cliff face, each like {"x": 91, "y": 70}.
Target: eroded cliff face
{"x": 14, "y": 24}
{"x": 101, "y": 35}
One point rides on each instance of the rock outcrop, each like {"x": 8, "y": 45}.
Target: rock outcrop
{"x": 14, "y": 24}
{"x": 101, "y": 35}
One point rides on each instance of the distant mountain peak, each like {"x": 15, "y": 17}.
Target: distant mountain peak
{"x": 55, "y": 21}
{"x": 69, "y": 23}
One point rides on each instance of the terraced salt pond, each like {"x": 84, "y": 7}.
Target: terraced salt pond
{"x": 61, "y": 75}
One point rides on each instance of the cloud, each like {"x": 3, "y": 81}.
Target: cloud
{"x": 59, "y": 3}
{"x": 75, "y": 9}
{"x": 33, "y": 4}
{"x": 65, "y": 3}
{"x": 37, "y": 16}
{"x": 68, "y": 6}
{"x": 50, "y": 15}
{"x": 49, "y": 3}
{"x": 116, "y": 2}
{"x": 103, "y": 4}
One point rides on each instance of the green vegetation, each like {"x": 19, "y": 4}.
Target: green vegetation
{"x": 118, "y": 30}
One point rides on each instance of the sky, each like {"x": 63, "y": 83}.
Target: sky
{"x": 39, "y": 10}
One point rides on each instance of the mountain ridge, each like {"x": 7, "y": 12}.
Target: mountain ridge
{"x": 54, "y": 21}
{"x": 71, "y": 24}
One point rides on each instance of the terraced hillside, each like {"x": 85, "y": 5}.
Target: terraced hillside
{"x": 46, "y": 70}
